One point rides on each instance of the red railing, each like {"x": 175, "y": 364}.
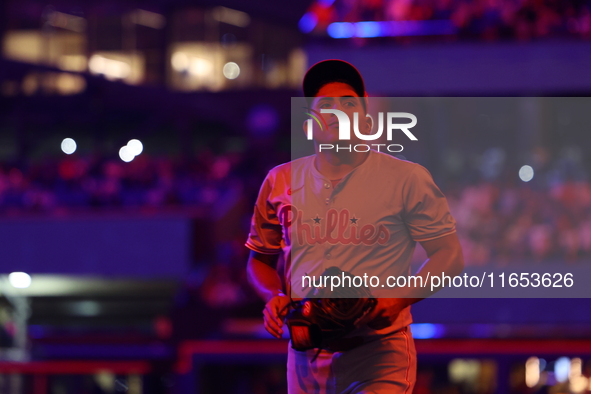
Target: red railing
{"x": 40, "y": 370}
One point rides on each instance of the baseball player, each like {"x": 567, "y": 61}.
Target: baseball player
{"x": 355, "y": 210}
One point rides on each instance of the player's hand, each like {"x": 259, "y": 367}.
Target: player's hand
{"x": 385, "y": 313}
{"x": 274, "y": 312}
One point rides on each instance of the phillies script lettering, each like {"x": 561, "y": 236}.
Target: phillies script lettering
{"x": 336, "y": 227}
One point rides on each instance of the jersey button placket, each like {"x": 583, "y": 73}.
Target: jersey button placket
{"x": 327, "y": 193}
{"x": 327, "y": 255}
{"x": 327, "y": 186}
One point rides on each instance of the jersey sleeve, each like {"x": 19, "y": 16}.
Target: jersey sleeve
{"x": 265, "y": 230}
{"x": 426, "y": 213}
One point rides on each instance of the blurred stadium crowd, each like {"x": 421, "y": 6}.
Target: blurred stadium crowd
{"x": 76, "y": 182}
{"x": 501, "y": 221}
{"x": 480, "y": 19}
{"x": 520, "y": 223}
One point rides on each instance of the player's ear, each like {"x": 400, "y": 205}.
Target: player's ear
{"x": 368, "y": 124}
{"x": 309, "y": 124}
{"x": 309, "y": 118}
{"x": 305, "y": 127}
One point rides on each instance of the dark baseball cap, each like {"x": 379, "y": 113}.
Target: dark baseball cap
{"x": 332, "y": 70}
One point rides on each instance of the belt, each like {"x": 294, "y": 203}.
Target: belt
{"x": 344, "y": 344}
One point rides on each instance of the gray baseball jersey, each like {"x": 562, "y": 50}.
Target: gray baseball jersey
{"x": 367, "y": 223}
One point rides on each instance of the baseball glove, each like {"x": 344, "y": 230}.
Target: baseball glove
{"x": 326, "y": 316}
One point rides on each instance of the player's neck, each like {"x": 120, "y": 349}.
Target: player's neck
{"x": 336, "y": 165}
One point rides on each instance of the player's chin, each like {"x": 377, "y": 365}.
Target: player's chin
{"x": 328, "y": 137}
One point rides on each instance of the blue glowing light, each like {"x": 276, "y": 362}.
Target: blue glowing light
{"x": 427, "y": 330}
{"x": 341, "y": 30}
{"x": 390, "y": 29}
{"x": 307, "y": 22}
{"x": 369, "y": 29}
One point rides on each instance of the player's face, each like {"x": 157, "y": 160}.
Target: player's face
{"x": 341, "y": 96}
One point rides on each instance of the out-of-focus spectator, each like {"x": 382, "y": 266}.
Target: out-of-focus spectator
{"x": 480, "y": 19}
{"x": 499, "y": 222}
